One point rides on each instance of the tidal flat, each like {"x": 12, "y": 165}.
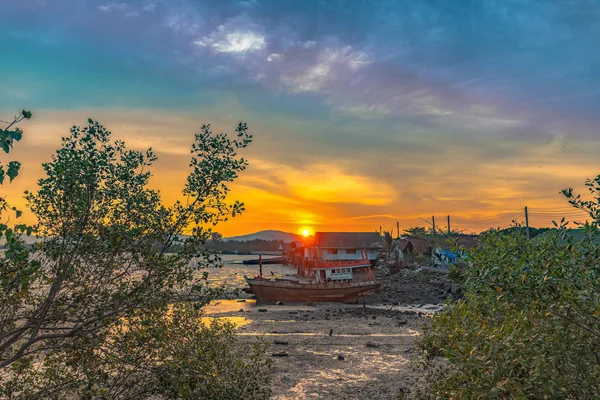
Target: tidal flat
{"x": 334, "y": 351}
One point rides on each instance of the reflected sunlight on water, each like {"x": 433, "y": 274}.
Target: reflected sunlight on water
{"x": 232, "y": 272}
{"x": 237, "y": 321}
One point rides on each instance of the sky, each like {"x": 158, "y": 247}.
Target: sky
{"x": 364, "y": 112}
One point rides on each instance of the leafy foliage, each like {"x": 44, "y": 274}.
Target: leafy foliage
{"x": 529, "y": 323}
{"x": 417, "y": 231}
{"x": 174, "y": 355}
{"x": 103, "y": 264}
{"x": 8, "y": 137}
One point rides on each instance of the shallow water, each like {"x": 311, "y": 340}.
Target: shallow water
{"x": 231, "y": 274}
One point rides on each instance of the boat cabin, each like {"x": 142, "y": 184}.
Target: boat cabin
{"x": 338, "y": 272}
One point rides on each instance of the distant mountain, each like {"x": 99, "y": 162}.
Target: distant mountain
{"x": 267, "y": 235}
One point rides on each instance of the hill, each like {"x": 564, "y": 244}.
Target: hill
{"x": 286, "y": 237}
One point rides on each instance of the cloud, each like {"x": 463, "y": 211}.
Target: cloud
{"x": 236, "y": 41}
{"x": 274, "y": 57}
{"x": 114, "y": 6}
{"x": 124, "y": 8}
{"x": 331, "y": 64}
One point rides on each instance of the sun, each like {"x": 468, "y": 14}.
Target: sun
{"x": 305, "y": 232}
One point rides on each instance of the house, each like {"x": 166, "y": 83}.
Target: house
{"x": 417, "y": 246}
{"x": 285, "y": 248}
{"x": 330, "y": 246}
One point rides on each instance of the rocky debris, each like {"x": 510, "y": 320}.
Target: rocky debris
{"x": 282, "y": 342}
{"x": 340, "y": 358}
{"x": 262, "y": 310}
{"x": 241, "y": 300}
{"x": 371, "y": 345}
{"x": 280, "y": 354}
{"x": 241, "y": 310}
{"x": 279, "y": 303}
{"x": 414, "y": 285}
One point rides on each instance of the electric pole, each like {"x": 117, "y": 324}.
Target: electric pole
{"x": 527, "y": 222}
{"x": 433, "y": 223}
{"x": 398, "y": 227}
{"x": 449, "y": 225}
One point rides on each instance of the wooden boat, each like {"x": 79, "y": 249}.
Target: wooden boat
{"x": 272, "y": 260}
{"x": 332, "y": 281}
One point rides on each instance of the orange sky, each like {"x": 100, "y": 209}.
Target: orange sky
{"x": 326, "y": 194}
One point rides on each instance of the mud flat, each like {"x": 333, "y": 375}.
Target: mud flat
{"x": 335, "y": 351}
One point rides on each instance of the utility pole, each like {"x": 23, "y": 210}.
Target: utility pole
{"x": 398, "y": 227}
{"x": 379, "y": 230}
{"x": 449, "y": 225}
{"x": 433, "y": 223}
{"x": 527, "y": 221}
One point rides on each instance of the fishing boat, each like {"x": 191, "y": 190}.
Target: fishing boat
{"x": 331, "y": 281}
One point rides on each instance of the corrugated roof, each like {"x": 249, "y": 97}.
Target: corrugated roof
{"x": 348, "y": 240}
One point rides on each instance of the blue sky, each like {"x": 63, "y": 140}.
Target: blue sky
{"x": 414, "y": 107}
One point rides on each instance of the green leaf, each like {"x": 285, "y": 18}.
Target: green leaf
{"x": 19, "y": 213}
{"x": 5, "y": 143}
{"x": 17, "y": 134}
{"x": 13, "y": 169}
{"x": 26, "y": 114}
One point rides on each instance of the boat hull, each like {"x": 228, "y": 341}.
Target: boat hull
{"x": 271, "y": 291}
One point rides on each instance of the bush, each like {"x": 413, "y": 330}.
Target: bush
{"x": 529, "y": 323}
{"x": 528, "y": 326}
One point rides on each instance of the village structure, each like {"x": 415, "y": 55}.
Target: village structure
{"x": 441, "y": 251}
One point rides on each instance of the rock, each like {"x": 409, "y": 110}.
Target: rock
{"x": 241, "y": 310}
{"x": 374, "y": 316}
{"x": 402, "y": 322}
{"x": 280, "y": 354}
{"x": 279, "y": 303}
{"x": 282, "y": 342}
{"x": 340, "y": 358}
{"x": 241, "y": 301}
{"x": 293, "y": 312}
{"x": 371, "y": 345}
{"x": 262, "y": 310}
{"x": 395, "y": 303}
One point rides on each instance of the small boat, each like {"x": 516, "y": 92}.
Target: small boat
{"x": 272, "y": 260}
{"x": 331, "y": 281}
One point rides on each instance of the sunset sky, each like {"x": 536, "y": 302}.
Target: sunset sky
{"x": 364, "y": 113}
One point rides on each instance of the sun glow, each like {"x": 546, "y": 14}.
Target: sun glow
{"x": 305, "y": 232}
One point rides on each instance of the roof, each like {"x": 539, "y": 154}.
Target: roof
{"x": 402, "y": 243}
{"x": 285, "y": 246}
{"x": 421, "y": 245}
{"x": 348, "y": 240}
